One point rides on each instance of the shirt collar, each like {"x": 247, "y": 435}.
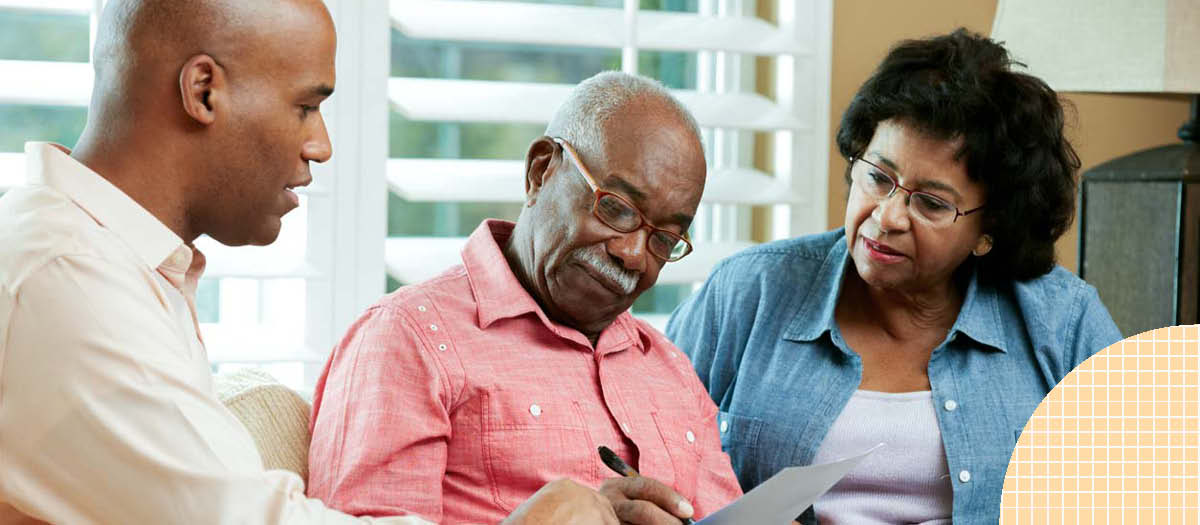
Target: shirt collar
{"x": 500, "y": 295}
{"x": 816, "y": 314}
{"x": 979, "y": 317}
{"x": 51, "y": 165}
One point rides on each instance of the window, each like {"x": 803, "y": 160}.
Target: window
{"x": 474, "y": 82}
{"x": 429, "y": 139}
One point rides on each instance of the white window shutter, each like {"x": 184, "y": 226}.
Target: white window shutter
{"x": 726, "y": 39}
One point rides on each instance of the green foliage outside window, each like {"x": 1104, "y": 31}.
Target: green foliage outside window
{"x": 21, "y": 123}
{"x": 38, "y": 36}
{"x": 469, "y": 140}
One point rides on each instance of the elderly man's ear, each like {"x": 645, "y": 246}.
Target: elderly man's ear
{"x": 540, "y": 164}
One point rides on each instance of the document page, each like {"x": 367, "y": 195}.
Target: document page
{"x": 780, "y": 499}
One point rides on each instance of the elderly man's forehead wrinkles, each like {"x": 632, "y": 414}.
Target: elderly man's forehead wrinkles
{"x": 626, "y": 187}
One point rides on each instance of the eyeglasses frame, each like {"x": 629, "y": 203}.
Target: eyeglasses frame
{"x": 896, "y": 185}
{"x": 599, "y": 193}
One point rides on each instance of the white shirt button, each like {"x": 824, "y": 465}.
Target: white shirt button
{"x": 674, "y": 355}
{"x": 421, "y": 308}
{"x": 724, "y": 426}
{"x": 442, "y": 347}
{"x": 964, "y": 476}
{"x": 951, "y": 405}
{"x": 433, "y": 327}
{"x": 535, "y": 410}
{"x": 625, "y": 427}
{"x": 690, "y": 437}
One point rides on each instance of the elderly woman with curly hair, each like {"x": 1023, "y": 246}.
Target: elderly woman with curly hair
{"x": 934, "y": 322}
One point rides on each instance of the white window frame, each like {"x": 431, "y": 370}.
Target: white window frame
{"x": 348, "y": 253}
{"x": 798, "y": 119}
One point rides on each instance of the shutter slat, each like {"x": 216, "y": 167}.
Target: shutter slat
{"x": 431, "y": 99}
{"x": 45, "y": 83}
{"x": 565, "y": 25}
{"x": 458, "y": 180}
{"x": 254, "y": 262}
{"x": 66, "y": 7}
{"x": 242, "y": 343}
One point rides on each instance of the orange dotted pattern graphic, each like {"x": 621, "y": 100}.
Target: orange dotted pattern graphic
{"x": 1116, "y": 441}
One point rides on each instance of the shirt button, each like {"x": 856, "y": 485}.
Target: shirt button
{"x": 535, "y": 410}
{"x": 625, "y": 427}
{"x": 433, "y": 327}
{"x": 442, "y": 347}
{"x": 690, "y": 437}
{"x": 674, "y": 355}
{"x": 421, "y": 308}
{"x": 951, "y": 405}
{"x": 964, "y": 476}
{"x": 724, "y": 426}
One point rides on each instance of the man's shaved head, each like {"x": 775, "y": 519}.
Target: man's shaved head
{"x": 220, "y": 98}
{"x": 138, "y": 38}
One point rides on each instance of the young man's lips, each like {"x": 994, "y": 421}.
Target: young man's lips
{"x": 300, "y": 184}
{"x": 292, "y": 198}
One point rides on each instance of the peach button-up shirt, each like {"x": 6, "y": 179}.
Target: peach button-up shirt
{"x": 457, "y": 398}
{"x": 107, "y": 413}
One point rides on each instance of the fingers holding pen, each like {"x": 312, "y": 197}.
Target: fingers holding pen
{"x": 564, "y": 502}
{"x": 645, "y": 501}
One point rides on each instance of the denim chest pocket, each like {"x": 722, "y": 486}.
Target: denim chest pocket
{"x": 740, "y": 440}
{"x": 530, "y": 439}
{"x": 738, "y": 432}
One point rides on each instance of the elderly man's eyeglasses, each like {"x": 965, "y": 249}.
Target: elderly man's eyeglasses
{"x": 879, "y": 184}
{"x": 617, "y": 213}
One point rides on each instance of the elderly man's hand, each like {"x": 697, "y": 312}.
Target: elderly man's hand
{"x": 563, "y": 502}
{"x": 645, "y": 501}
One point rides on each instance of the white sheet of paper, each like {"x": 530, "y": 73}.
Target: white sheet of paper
{"x": 777, "y": 501}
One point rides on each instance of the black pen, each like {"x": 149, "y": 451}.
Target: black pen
{"x": 619, "y": 466}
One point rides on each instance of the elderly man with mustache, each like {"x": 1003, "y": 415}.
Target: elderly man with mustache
{"x": 456, "y": 398}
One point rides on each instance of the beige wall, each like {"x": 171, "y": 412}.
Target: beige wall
{"x": 1105, "y": 126}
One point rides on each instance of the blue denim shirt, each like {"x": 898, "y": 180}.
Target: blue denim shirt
{"x": 762, "y": 336}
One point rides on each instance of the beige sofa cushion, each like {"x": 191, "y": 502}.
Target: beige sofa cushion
{"x": 275, "y": 415}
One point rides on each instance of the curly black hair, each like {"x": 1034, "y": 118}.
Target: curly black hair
{"x": 962, "y": 86}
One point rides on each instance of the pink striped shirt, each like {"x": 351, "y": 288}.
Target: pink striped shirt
{"x": 457, "y": 398}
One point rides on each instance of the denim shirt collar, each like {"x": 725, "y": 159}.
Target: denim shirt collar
{"x": 979, "y": 318}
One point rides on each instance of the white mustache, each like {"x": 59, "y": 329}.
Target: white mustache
{"x": 597, "y": 258}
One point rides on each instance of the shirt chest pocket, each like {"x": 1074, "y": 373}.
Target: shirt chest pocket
{"x": 739, "y": 439}
{"x": 683, "y": 439}
{"x": 530, "y": 440}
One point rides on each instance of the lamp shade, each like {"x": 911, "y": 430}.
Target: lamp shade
{"x": 1150, "y": 46}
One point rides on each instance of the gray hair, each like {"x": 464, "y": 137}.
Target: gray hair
{"x": 581, "y": 118}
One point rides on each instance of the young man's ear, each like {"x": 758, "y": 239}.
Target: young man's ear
{"x": 202, "y": 88}
{"x": 540, "y": 164}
